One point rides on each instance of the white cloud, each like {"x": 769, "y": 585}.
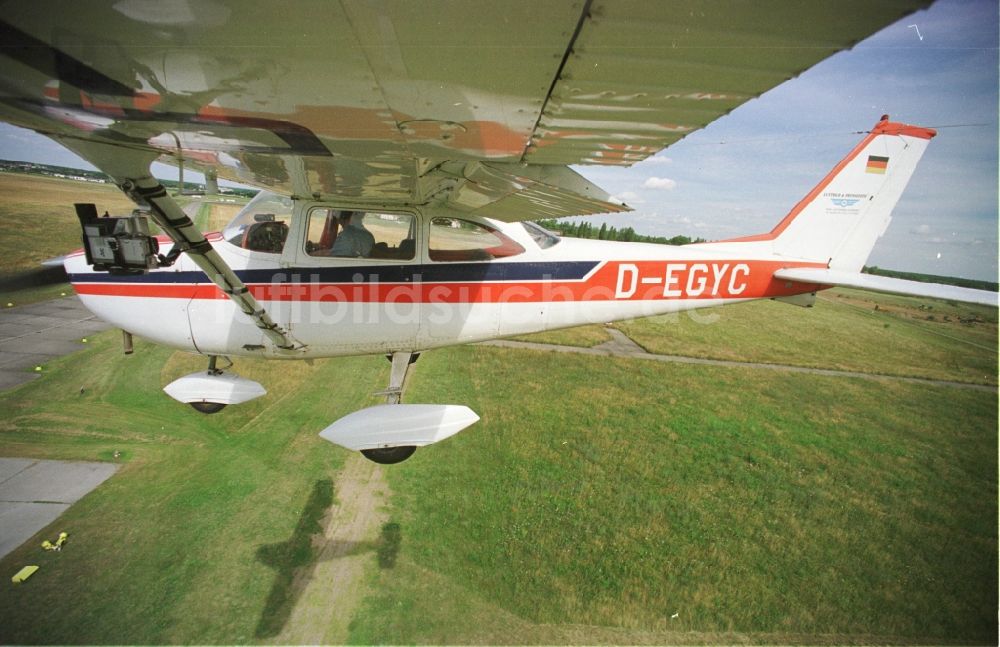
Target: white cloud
{"x": 663, "y": 183}
{"x": 630, "y": 197}
{"x": 656, "y": 160}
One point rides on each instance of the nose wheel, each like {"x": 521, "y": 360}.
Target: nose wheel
{"x": 212, "y": 390}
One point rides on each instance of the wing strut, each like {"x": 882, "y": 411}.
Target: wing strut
{"x": 129, "y": 166}
{"x": 187, "y": 236}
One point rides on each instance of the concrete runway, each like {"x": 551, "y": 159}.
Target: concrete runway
{"x": 34, "y": 334}
{"x": 34, "y": 493}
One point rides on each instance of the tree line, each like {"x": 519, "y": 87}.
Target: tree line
{"x": 626, "y": 234}
{"x": 975, "y": 284}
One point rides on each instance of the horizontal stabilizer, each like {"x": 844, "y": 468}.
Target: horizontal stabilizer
{"x": 887, "y": 284}
{"x": 58, "y": 261}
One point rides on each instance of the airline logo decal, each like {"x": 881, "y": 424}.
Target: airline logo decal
{"x": 844, "y": 203}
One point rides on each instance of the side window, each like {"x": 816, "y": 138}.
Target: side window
{"x": 460, "y": 240}
{"x": 360, "y": 234}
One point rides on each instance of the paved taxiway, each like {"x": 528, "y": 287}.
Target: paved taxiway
{"x": 34, "y": 334}
{"x": 34, "y": 493}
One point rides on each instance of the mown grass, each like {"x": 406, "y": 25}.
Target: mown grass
{"x": 34, "y": 294}
{"x": 847, "y": 329}
{"x": 627, "y": 501}
{"x": 37, "y": 219}
{"x": 196, "y": 537}
{"x": 38, "y": 222}
{"x": 583, "y": 336}
{"x": 598, "y": 500}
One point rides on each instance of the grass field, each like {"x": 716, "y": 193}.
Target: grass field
{"x": 198, "y": 539}
{"x": 847, "y": 329}
{"x": 598, "y": 500}
{"x": 748, "y": 503}
{"x": 37, "y": 219}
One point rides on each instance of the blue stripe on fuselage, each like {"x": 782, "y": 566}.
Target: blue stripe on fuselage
{"x": 437, "y": 273}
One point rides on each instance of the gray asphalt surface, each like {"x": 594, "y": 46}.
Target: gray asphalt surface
{"x": 34, "y": 493}
{"x": 34, "y": 334}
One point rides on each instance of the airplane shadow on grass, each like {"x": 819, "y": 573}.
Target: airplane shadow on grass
{"x": 295, "y": 560}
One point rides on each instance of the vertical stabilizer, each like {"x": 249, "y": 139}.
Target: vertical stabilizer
{"x": 839, "y": 221}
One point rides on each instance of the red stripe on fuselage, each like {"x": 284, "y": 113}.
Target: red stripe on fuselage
{"x": 613, "y": 281}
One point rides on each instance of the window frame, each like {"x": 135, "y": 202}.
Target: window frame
{"x": 303, "y": 257}
{"x": 506, "y": 242}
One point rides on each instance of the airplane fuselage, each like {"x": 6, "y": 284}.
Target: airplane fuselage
{"x": 336, "y": 306}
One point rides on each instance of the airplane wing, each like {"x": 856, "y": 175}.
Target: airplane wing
{"x": 480, "y": 106}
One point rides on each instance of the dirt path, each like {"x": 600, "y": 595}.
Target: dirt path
{"x": 333, "y": 588}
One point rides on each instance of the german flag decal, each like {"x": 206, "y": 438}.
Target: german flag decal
{"x": 877, "y": 164}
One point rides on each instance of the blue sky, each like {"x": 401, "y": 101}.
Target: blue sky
{"x": 742, "y": 174}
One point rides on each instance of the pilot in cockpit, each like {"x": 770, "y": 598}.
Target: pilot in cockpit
{"x": 353, "y": 240}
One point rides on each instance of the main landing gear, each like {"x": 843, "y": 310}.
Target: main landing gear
{"x": 401, "y": 362}
{"x": 390, "y": 433}
{"x": 211, "y": 407}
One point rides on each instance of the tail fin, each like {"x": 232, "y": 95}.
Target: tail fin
{"x": 839, "y": 221}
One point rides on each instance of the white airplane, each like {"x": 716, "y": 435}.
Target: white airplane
{"x": 406, "y": 148}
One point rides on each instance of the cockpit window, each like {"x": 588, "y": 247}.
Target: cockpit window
{"x": 262, "y": 225}
{"x": 361, "y": 234}
{"x": 461, "y": 240}
{"x": 542, "y": 236}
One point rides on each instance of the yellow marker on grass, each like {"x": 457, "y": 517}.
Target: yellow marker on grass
{"x": 23, "y": 574}
{"x": 48, "y": 545}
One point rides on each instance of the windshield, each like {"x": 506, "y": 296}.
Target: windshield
{"x": 265, "y": 207}
{"x": 542, "y": 237}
